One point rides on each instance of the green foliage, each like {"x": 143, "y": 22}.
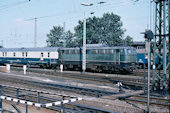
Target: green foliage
{"x": 55, "y": 37}
{"x": 106, "y": 29}
{"x": 1, "y": 46}
{"x": 69, "y": 39}
{"x": 128, "y": 40}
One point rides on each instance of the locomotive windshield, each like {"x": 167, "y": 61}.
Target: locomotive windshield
{"x": 131, "y": 51}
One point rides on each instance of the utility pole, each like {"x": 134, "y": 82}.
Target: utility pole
{"x": 84, "y": 44}
{"x": 64, "y": 34}
{"x": 2, "y": 43}
{"x": 84, "y": 36}
{"x": 169, "y": 39}
{"x": 35, "y": 33}
{"x": 84, "y": 39}
{"x": 0, "y": 99}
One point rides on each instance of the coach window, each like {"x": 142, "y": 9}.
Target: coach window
{"x": 42, "y": 55}
{"x": 48, "y": 54}
{"x": 5, "y": 53}
{"x": 26, "y": 54}
{"x": 14, "y": 53}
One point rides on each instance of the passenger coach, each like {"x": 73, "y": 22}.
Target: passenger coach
{"x": 47, "y": 56}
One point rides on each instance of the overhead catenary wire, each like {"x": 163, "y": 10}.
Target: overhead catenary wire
{"x": 2, "y": 7}
{"x": 88, "y": 10}
{"x": 76, "y": 10}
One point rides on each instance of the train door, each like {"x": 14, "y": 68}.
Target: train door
{"x": 49, "y": 57}
{"x": 117, "y": 56}
{"x": 42, "y": 56}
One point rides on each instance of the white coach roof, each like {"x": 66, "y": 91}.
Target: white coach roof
{"x": 31, "y": 49}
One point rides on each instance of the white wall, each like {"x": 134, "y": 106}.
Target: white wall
{"x": 32, "y": 54}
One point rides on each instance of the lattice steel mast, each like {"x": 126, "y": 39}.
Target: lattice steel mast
{"x": 160, "y": 50}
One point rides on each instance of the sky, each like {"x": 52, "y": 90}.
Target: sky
{"x": 17, "y": 18}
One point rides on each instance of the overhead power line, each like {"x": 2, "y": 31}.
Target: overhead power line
{"x": 2, "y": 7}
{"x": 92, "y": 9}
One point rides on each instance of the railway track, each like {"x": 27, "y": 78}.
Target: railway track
{"x": 60, "y": 87}
{"x": 128, "y": 82}
{"x": 154, "y": 100}
{"x": 69, "y": 107}
{"x": 80, "y": 90}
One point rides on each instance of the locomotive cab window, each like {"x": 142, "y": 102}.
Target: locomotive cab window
{"x": 131, "y": 51}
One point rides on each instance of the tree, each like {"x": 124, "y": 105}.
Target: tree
{"x": 128, "y": 40}
{"x": 1, "y": 46}
{"x": 69, "y": 39}
{"x": 55, "y": 37}
{"x": 106, "y": 29}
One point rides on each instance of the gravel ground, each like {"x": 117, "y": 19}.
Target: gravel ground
{"x": 107, "y": 102}
{"x": 31, "y": 109}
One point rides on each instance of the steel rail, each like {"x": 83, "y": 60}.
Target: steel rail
{"x": 131, "y": 83}
{"x": 70, "y": 107}
{"x": 143, "y": 99}
{"x": 75, "y": 89}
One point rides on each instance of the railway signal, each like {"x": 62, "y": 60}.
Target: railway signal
{"x": 148, "y": 34}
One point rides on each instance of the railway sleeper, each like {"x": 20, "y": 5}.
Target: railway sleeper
{"x": 145, "y": 101}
